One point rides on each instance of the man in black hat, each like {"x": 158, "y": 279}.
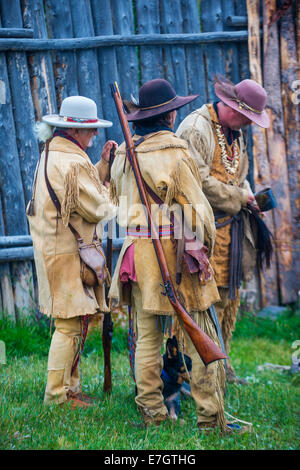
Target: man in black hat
{"x": 171, "y": 178}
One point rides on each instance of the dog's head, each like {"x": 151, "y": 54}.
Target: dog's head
{"x": 172, "y": 347}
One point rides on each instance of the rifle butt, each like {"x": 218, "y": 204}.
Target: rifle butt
{"x": 204, "y": 345}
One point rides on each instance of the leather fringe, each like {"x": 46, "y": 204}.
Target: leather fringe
{"x": 71, "y": 197}
{"x": 175, "y": 187}
{"x": 204, "y": 322}
{"x": 113, "y": 193}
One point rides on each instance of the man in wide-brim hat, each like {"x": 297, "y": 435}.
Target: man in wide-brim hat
{"x": 84, "y": 200}
{"x": 173, "y": 180}
{"x": 217, "y": 145}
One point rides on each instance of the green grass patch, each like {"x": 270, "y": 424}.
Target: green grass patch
{"x": 286, "y": 327}
{"x": 270, "y": 401}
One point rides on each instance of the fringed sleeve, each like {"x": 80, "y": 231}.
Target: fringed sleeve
{"x": 113, "y": 192}
{"x": 71, "y": 196}
{"x": 185, "y": 185}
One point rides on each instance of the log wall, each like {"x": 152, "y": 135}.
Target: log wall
{"x": 50, "y": 49}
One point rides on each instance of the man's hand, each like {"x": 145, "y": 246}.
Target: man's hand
{"x": 107, "y": 148}
{"x": 251, "y": 199}
{"x": 252, "y": 202}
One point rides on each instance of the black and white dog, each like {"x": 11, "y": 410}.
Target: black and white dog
{"x": 175, "y": 377}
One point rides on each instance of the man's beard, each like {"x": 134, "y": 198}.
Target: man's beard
{"x": 91, "y": 141}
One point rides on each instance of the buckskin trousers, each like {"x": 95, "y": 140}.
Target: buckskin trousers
{"x": 207, "y": 383}
{"x": 63, "y": 348}
{"x": 227, "y": 312}
{"x": 148, "y": 360}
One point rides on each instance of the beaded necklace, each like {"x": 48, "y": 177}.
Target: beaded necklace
{"x": 230, "y": 164}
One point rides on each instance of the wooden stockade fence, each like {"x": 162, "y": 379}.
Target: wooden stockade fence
{"x": 56, "y": 48}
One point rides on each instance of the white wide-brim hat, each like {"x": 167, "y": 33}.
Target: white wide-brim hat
{"x": 76, "y": 111}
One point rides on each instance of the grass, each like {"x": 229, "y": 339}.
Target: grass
{"x": 271, "y": 401}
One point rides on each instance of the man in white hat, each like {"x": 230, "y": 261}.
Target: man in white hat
{"x": 216, "y": 143}
{"x": 84, "y": 200}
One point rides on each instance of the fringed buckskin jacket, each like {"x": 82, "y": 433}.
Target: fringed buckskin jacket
{"x": 84, "y": 202}
{"x": 198, "y": 130}
{"x": 168, "y": 169}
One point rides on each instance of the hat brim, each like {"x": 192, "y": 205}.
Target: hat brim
{"x": 171, "y": 106}
{"x": 261, "y": 119}
{"x": 56, "y": 121}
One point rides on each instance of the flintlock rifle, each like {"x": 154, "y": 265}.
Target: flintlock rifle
{"x": 107, "y": 331}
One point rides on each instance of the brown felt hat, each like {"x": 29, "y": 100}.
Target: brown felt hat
{"x": 247, "y": 97}
{"x": 157, "y": 97}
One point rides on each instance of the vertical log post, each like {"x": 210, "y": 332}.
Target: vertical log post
{"x": 108, "y": 70}
{"x": 87, "y": 66}
{"x": 59, "y": 22}
{"x": 174, "y": 57}
{"x": 244, "y": 73}
{"x": 211, "y": 20}
{"x": 40, "y": 64}
{"x": 290, "y": 71}
{"x": 13, "y": 203}
{"x": 148, "y": 22}
{"x": 262, "y": 176}
{"x": 194, "y": 55}
{"x": 277, "y": 156}
{"x": 230, "y": 51}
{"x": 127, "y": 58}
{"x": 27, "y": 146}
{"x": 7, "y": 305}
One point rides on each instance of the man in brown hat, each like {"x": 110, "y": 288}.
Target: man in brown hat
{"x": 171, "y": 178}
{"x": 216, "y": 143}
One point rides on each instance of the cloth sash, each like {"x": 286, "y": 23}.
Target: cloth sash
{"x": 236, "y": 250}
{"x": 145, "y": 232}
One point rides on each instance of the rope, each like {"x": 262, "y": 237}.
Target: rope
{"x": 186, "y": 369}
{"x": 236, "y": 419}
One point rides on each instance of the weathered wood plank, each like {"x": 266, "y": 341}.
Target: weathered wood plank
{"x": 297, "y": 25}
{"x": 87, "y": 66}
{"x": 18, "y": 253}
{"x": 8, "y": 255}
{"x": 17, "y": 240}
{"x": 244, "y": 73}
{"x": 233, "y": 20}
{"x": 230, "y": 51}
{"x": 27, "y": 146}
{"x": 212, "y": 20}
{"x": 22, "y": 104}
{"x": 194, "y": 55}
{"x": 7, "y": 297}
{"x": 262, "y": 177}
{"x": 174, "y": 57}
{"x": 59, "y": 22}
{"x": 121, "y": 40}
{"x": 290, "y": 71}
{"x": 148, "y": 22}
{"x": 241, "y": 10}
{"x": 277, "y": 155}
{"x": 40, "y": 64}
{"x": 108, "y": 70}
{"x": 16, "y": 33}
{"x": 13, "y": 203}
{"x": 123, "y": 21}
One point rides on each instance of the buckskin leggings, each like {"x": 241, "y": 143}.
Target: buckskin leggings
{"x": 63, "y": 348}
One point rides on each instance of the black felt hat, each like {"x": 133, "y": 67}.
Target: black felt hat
{"x": 157, "y": 97}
